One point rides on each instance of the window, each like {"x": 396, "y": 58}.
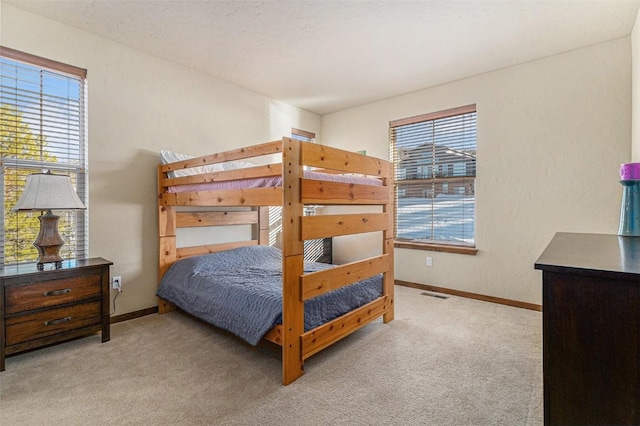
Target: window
{"x": 434, "y": 157}
{"x": 42, "y": 127}
{"x": 302, "y": 135}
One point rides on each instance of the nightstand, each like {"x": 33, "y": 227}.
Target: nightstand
{"x": 40, "y": 308}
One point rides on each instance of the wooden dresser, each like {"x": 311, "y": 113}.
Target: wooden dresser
{"x": 591, "y": 329}
{"x": 40, "y": 308}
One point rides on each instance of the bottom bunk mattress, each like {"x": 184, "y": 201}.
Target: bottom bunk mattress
{"x": 240, "y": 290}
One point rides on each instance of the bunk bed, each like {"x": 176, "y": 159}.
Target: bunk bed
{"x": 308, "y": 174}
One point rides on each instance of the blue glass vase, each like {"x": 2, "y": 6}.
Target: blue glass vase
{"x": 630, "y": 209}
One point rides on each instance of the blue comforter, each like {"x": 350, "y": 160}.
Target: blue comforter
{"x": 240, "y": 290}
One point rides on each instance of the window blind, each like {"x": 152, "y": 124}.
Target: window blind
{"x": 43, "y": 127}
{"x": 434, "y": 157}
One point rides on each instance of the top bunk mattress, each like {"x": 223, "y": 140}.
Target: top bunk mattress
{"x": 271, "y": 181}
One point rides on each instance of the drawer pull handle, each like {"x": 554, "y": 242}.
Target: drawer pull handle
{"x": 57, "y": 292}
{"x": 57, "y": 321}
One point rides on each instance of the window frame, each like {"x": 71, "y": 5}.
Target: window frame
{"x": 303, "y": 135}
{"x": 449, "y": 247}
{"x": 78, "y": 172}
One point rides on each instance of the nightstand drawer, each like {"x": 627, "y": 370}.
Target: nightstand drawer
{"x": 20, "y": 298}
{"x": 23, "y": 328}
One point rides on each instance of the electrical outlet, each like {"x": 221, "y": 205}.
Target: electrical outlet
{"x": 429, "y": 261}
{"x": 116, "y": 283}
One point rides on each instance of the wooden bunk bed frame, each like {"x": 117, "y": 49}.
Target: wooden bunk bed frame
{"x": 293, "y": 195}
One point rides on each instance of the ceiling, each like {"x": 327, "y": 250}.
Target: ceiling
{"x": 326, "y": 56}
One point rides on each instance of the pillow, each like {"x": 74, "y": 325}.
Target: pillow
{"x": 172, "y": 157}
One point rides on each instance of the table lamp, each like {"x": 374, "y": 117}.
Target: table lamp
{"x": 46, "y": 192}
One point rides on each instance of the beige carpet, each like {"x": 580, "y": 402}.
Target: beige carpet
{"x": 440, "y": 362}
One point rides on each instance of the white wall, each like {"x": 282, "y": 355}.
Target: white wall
{"x": 139, "y": 104}
{"x": 551, "y": 136}
{"x": 635, "y": 53}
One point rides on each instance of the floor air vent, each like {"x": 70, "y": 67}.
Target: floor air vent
{"x": 437, "y": 296}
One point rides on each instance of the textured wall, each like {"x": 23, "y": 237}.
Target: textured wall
{"x": 551, "y": 135}
{"x": 139, "y": 104}
{"x": 635, "y": 54}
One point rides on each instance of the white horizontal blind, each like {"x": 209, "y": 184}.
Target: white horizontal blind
{"x": 434, "y": 159}
{"x": 43, "y": 127}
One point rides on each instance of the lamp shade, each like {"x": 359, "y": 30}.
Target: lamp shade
{"x": 46, "y": 191}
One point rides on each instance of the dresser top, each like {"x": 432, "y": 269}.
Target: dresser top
{"x": 31, "y": 268}
{"x": 591, "y": 252}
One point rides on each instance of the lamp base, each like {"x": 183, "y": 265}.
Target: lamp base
{"x": 49, "y": 241}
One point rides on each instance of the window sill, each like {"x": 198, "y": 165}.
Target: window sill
{"x": 447, "y": 248}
